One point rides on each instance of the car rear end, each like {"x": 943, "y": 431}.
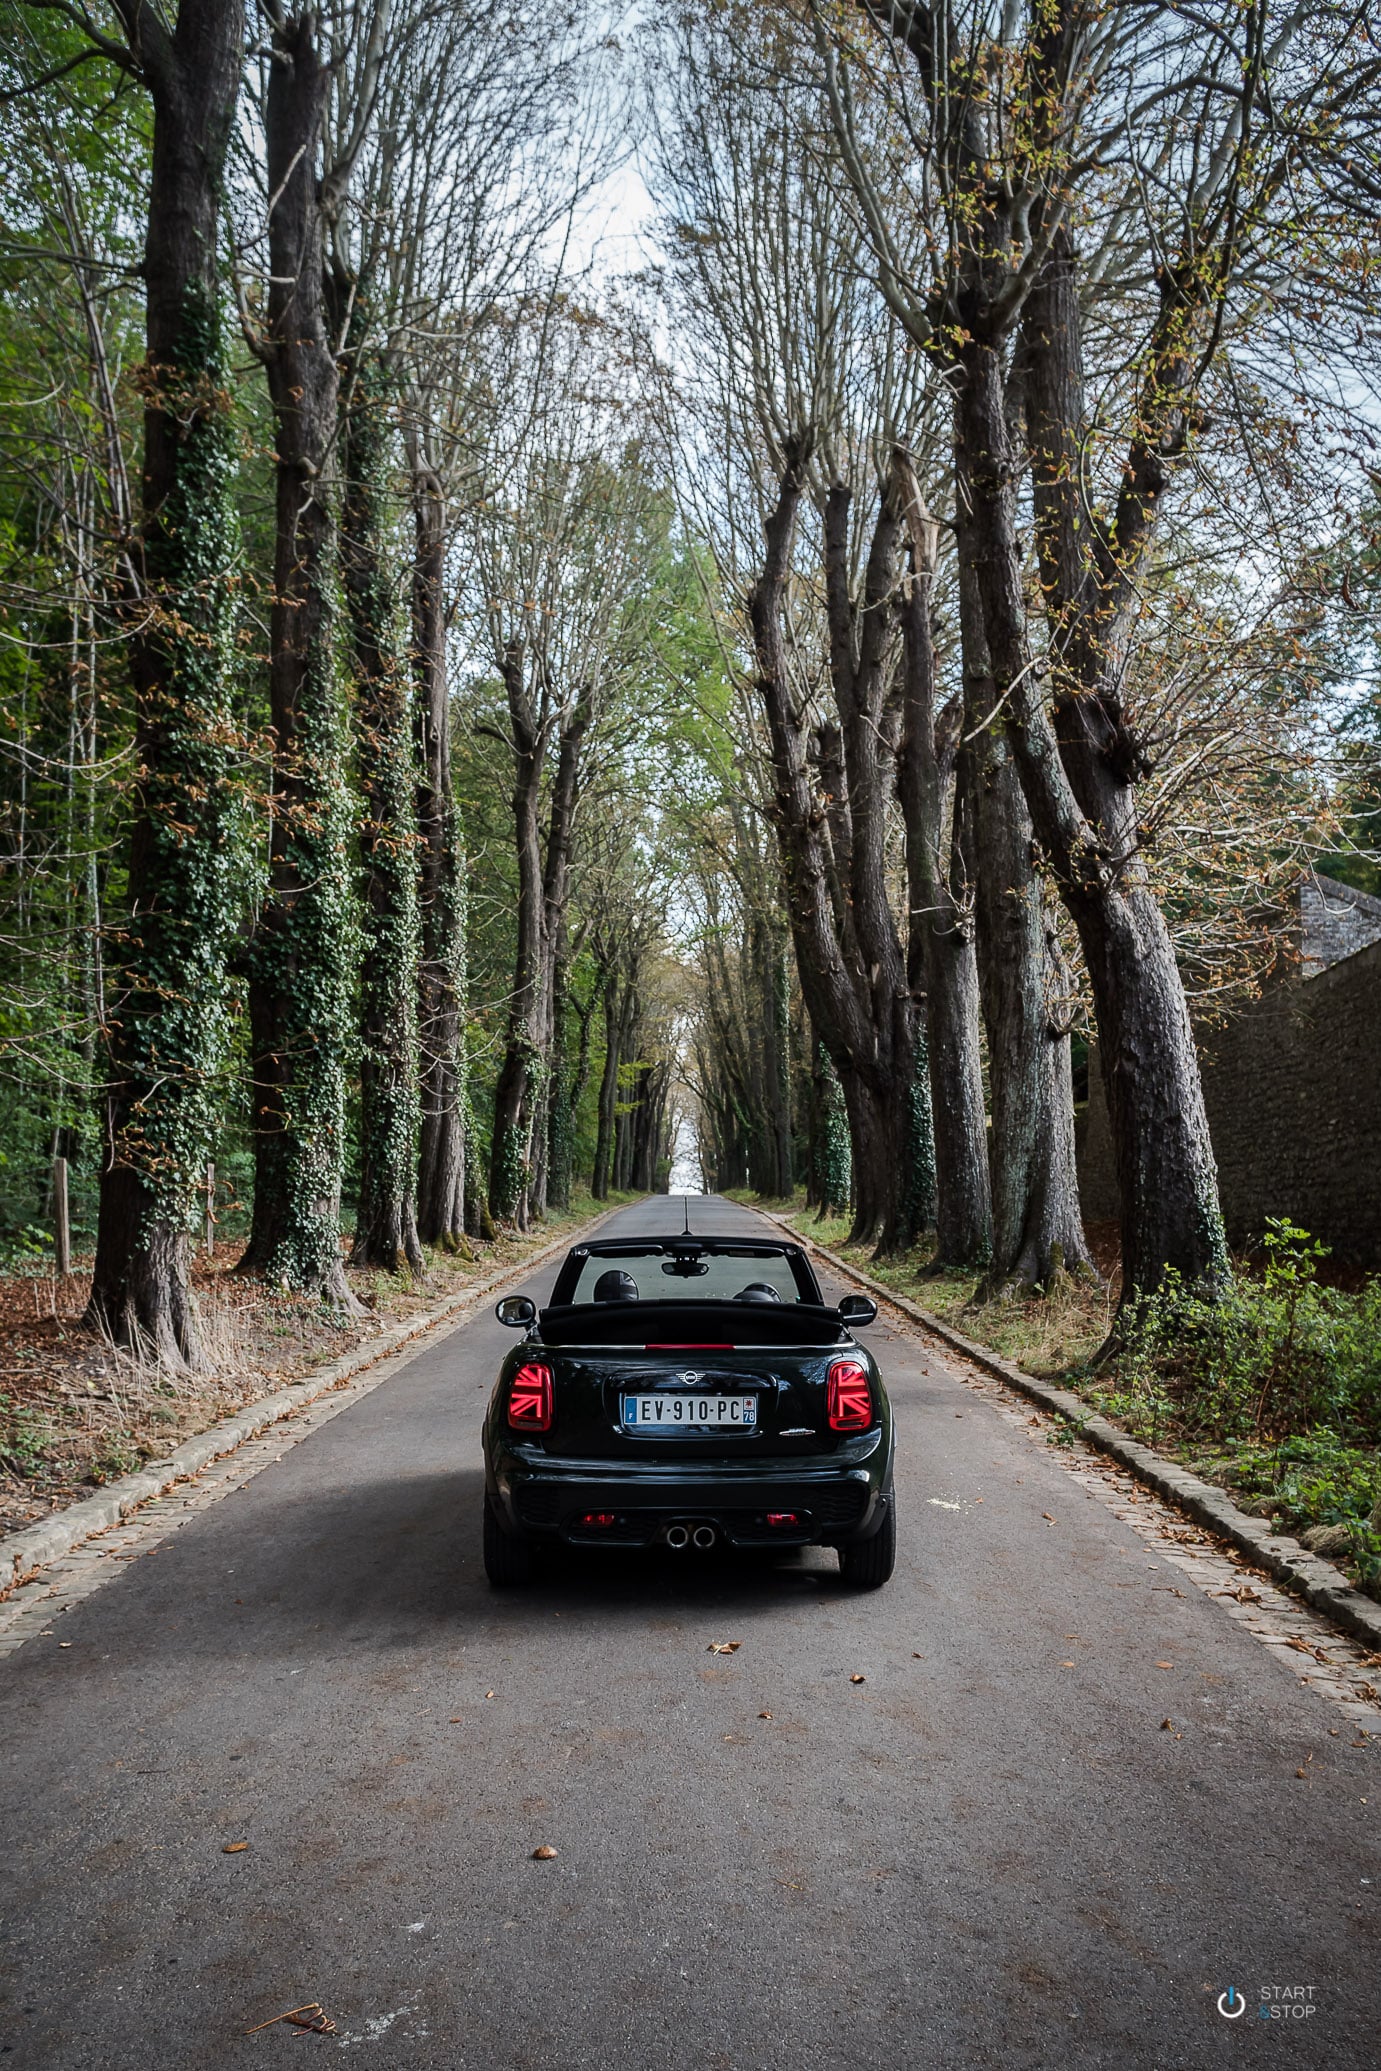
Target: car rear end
{"x": 690, "y": 1443}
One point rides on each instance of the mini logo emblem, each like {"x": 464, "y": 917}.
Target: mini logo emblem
{"x": 690, "y": 1379}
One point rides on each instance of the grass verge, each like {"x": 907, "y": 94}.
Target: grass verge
{"x": 76, "y": 1412}
{"x": 1274, "y": 1392}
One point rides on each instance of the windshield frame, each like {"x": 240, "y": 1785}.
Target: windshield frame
{"x": 568, "y": 1279}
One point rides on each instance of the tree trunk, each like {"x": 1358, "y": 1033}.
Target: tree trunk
{"x": 441, "y": 979}
{"x": 300, "y": 978}
{"x": 941, "y": 956}
{"x": 517, "y": 1081}
{"x": 386, "y": 1218}
{"x": 1037, "y": 1226}
{"x": 168, "y": 1016}
{"x": 608, "y": 1090}
{"x": 848, "y": 956}
{"x": 1081, "y": 773}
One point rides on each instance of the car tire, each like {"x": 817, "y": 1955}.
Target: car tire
{"x": 508, "y": 1560}
{"x": 868, "y": 1563}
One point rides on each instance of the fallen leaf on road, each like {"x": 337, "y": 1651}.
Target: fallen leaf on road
{"x": 238, "y": 1848}
{"x": 544, "y": 1854}
{"x": 489, "y": 1693}
{"x": 309, "y": 2017}
{"x": 1302, "y": 1772}
{"x": 1167, "y": 1725}
{"x": 1048, "y": 1518}
{"x": 764, "y": 1714}
{"x": 1165, "y": 1664}
{"x": 858, "y": 1678}
{"x": 455, "y": 1722}
{"x": 1066, "y": 1664}
{"x": 724, "y": 1646}
{"x": 64, "y": 1643}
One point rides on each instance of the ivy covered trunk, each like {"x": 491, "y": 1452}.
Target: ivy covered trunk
{"x": 518, "y": 1159}
{"x": 168, "y": 995}
{"x": 302, "y": 957}
{"x": 441, "y": 1165}
{"x": 560, "y": 1113}
{"x": 834, "y": 1165}
{"x": 608, "y": 1091}
{"x": 517, "y": 1087}
{"x": 386, "y": 1217}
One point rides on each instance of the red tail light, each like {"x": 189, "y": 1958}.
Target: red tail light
{"x": 850, "y": 1399}
{"x": 782, "y": 1517}
{"x": 529, "y": 1399}
{"x": 598, "y": 1520}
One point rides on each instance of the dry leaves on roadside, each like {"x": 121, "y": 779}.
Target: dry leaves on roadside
{"x": 544, "y": 1854}
{"x": 724, "y": 1646}
{"x": 858, "y": 1678}
{"x": 235, "y": 1848}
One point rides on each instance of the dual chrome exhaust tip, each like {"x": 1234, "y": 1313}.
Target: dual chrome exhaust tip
{"x": 701, "y": 1537}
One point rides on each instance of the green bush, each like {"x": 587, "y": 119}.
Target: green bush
{"x": 1275, "y": 1358}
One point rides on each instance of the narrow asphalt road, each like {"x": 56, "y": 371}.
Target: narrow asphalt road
{"x": 981, "y": 1855}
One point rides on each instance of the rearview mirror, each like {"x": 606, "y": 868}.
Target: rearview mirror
{"x": 857, "y": 1308}
{"x": 517, "y": 1311}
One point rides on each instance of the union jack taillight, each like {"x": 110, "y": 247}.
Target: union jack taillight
{"x": 849, "y": 1403}
{"x": 529, "y": 1399}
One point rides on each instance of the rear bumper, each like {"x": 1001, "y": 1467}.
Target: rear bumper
{"x": 834, "y": 1501}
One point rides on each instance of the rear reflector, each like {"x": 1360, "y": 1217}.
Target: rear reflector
{"x": 529, "y": 1399}
{"x": 782, "y": 1517}
{"x": 850, "y": 1399}
{"x": 597, "y": 1520}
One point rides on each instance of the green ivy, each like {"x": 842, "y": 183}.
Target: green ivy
{"x": 390, "y": 1114}
{"x": 834, "y": 1175}
{"x": 174, "y": 1001}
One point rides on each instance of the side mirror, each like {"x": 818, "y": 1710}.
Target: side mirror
{"x": 857, "y": 1308}
{"x": 517, "y": 1311}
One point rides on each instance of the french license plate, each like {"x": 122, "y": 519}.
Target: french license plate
{"x": 690, "y": 1412}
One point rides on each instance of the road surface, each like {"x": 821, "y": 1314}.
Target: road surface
{"x": 990, "y": 1852}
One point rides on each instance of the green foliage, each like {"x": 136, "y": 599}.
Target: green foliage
{"x": 390, "y": 1112}
{"x": 834, "y": 1178}
{"x": 1273, "y": 1357}
{"x": 25, "y": 1440}
{"x": 306, "y": 957}
{"x": 175, "y": 1007}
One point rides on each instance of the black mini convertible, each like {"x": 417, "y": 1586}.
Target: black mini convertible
{"x": 688, "y": 1392}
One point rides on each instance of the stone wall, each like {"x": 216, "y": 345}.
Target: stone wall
{"x": 1293, "y": 1091}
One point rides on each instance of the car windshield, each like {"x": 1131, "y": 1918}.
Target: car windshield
{"x": 709, "y": 1275}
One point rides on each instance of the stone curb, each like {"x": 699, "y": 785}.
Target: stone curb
{"x": 1324, "y": 1587}
{"x": 23, "y": 1553}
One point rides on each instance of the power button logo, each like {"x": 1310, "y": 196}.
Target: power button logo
{"x": 1231, "y": 2004}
